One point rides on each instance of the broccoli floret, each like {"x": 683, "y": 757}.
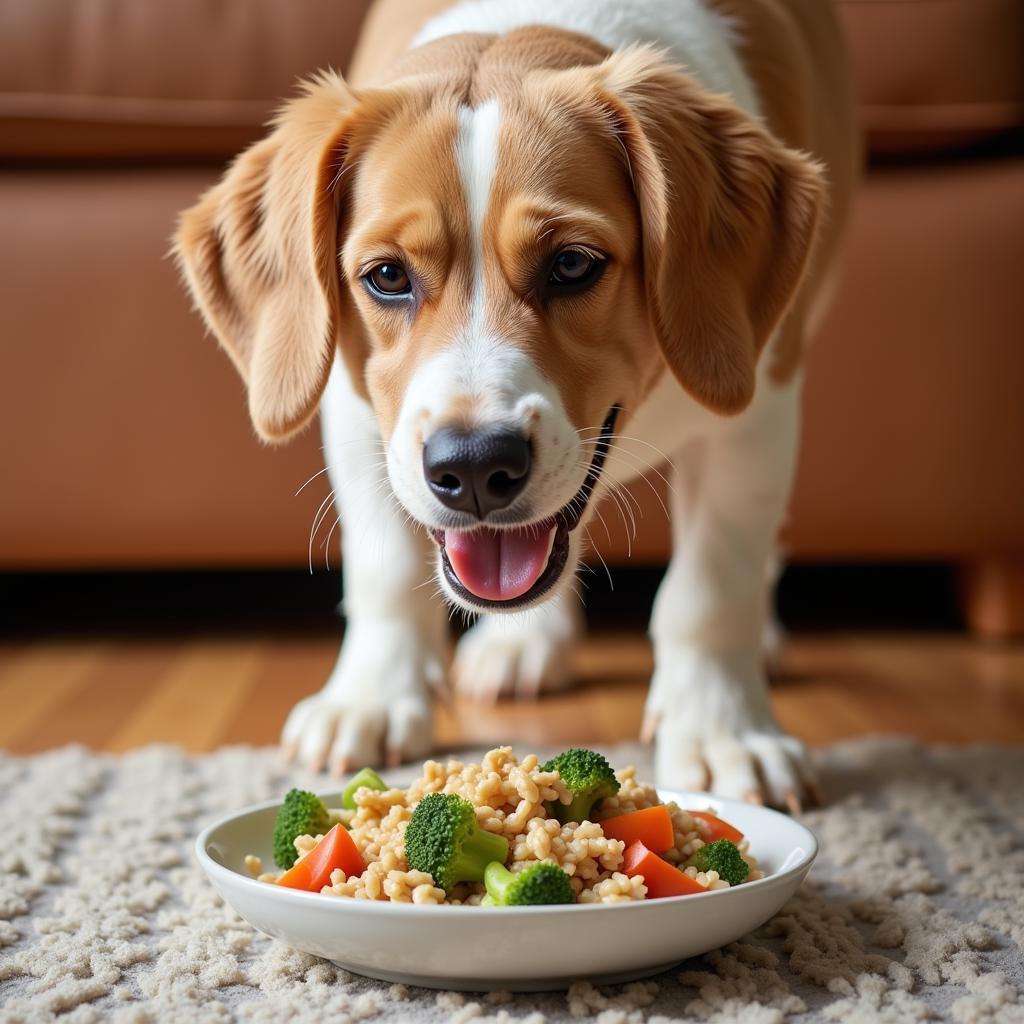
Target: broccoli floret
{"x": 365, "y": 778}
{"x": 302, "y": 814}
{"x": 443, "y": 839}
{"x": 722, "y": 856}
{"x": 537, "y": 884}
{"x": 589, "y": 778}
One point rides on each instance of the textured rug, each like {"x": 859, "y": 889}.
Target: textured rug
{"x": 914, "y": 911}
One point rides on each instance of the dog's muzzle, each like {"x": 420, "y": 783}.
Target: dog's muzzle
{"x": 505, "y": 568}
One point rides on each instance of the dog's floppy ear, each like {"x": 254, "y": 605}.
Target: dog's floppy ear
{"x": 728, "y": 214}
{"x": 259, "y": 253}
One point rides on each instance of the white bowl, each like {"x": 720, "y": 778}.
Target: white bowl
{"x": 515, "y": 948}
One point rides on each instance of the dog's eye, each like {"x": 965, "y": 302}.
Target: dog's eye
{"x": 389, "y": 280}
{"x": 574, "y": 269}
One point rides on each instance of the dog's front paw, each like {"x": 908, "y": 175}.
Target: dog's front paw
{"x": 377, "y": 706}
{"x": 762, "y": 767}
{"x": 714, "y": 730}
{"x": 518, "y": 655}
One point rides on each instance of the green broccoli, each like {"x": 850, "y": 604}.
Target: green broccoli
{"x": 365, "y": 778}
{"x": 443, "y": 839}
{"x": 722, "y": 856}
{"x": 539, "y": 883}
{"x": 302, "y": 814}
{"x": 589, "y": 778}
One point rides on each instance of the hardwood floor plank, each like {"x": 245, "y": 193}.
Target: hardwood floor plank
{"x": 192, "y": 703}
{"x": 289, "y": 670}
{"x": 104, "y": 699}
{"x": 36, "y": 681}
{"x": 202, "y": 693}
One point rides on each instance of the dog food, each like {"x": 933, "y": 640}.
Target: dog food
{"x": 478, "y": 833}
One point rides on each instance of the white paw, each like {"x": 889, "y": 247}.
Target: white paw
{"x": 714, "y": 730}
{"x": 518, "y": 655}
{"x": 377, "y": 706}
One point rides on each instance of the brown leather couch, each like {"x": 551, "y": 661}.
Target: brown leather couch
{"x": 125, "y": 438}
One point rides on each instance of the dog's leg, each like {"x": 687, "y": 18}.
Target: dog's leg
{"x": 377, "y": 701}
{"x": 519, "y": 655}
{"x": 773, "y": 634}
{"x": 708, "y": 705}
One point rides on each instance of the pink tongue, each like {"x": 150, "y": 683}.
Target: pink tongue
{"x": 498, "y": 565}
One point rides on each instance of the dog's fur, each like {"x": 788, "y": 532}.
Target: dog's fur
{"x": 696, "y": 147}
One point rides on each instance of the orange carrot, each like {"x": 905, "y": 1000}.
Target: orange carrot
{"x": 719, "y": 829}
{"x": 336, "y": 850}
{"x": 660, "y": 877}
{"x": 651, "y": 826}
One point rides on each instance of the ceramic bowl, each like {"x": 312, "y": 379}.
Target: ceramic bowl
{"x": 514, "y": 948}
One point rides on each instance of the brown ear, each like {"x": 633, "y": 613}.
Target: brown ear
{"x": 259, "y": 253}
{"x": 729, "y": 217}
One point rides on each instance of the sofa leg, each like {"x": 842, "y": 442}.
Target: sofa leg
{"x": 992, "y": 596}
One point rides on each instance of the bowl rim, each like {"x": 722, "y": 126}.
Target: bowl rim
{"x": 298, "y": 897}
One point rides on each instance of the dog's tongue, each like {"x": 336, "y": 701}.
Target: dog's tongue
{"x": 498, "y": 565}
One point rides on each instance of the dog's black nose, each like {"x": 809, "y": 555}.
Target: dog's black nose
{"x": 476, "y": 471}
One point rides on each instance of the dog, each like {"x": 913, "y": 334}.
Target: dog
{"x": 532, "y": 250}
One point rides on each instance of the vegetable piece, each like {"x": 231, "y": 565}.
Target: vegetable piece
{"x": 337, "y": 849}
{"x": 652, "y": 826}
{"x": 719, "y": 829}
{"x": 539, "y": 883}
{"x": 724, "y": 857}
{"x": 365, "y": 778}
{"x": 301, "y": 814}
{"x": 661, "y": 878}
{"x": 589, "y": 778}
{"x": 443, "y": 839}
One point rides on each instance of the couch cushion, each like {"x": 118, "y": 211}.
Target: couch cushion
{"x": 157, "y": 78}
{"x": 936, "y": 74}
{"x": 188, "y": 79}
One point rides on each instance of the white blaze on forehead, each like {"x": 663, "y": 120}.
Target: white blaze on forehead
{"x": 479, "y": 364}
{"x": 477, "y": 155}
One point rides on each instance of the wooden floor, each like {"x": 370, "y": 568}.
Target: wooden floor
{"x": 113, "y": 694}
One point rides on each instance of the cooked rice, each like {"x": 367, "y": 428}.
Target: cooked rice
{"x": 509, "y": 797}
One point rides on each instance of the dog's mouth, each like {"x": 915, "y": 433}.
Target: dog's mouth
{"x": 513, "y": 566}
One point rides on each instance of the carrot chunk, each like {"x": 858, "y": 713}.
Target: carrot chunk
{"x": 660, "y": 877}
{"x": 336, "y": 850}
{"x": 651, "y": 826}
{"x": 719, "y": 829}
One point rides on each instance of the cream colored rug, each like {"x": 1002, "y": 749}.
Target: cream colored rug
{"x": 915, "y": 910}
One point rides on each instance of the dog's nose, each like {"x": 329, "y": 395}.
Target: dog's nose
{"x": 476, "y": 471}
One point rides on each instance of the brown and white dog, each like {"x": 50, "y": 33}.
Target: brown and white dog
{"x": 538, "y": 246}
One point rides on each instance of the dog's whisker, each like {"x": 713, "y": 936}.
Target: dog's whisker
{"x": 604, "y": 523}
{"x": 646, "y": 467}
{"x": 628, "y": 437}
{"x": 319, "y": 472}
{"x": 631, "y": 497}
{"x": 317, "y": 519}
{"x": 379, "y": 489}
{"x": 629, "y": 500}
{"x": 649, "y": 466}
{"x": 655, "y": 465}
{"x": 327, "y": 543}
{"x": 608, "y": 572}
{"x": 625, "y": 523}
{"x": 376, "y": 441}
{"x": 643, "y": 475}
{"x": 656, "y": 493}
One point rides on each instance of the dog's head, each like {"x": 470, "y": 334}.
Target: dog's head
{"x": 506, "y": 262}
